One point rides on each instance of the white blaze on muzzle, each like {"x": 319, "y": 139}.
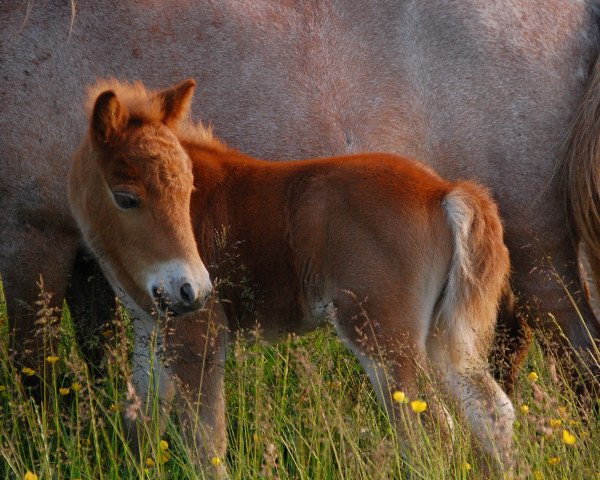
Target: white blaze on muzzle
{"x": 177, "y": 286}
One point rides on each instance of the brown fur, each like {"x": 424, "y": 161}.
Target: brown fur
{"x": 409, "y": 267}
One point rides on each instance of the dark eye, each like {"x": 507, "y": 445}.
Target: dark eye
{"x": 127, "y": 200}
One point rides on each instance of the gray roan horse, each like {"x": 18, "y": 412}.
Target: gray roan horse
{"x": 494, "y": 85}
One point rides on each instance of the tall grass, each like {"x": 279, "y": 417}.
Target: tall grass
{"x": 302, "y": 409}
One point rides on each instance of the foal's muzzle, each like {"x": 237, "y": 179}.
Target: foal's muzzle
{"x": 187, "y": 300}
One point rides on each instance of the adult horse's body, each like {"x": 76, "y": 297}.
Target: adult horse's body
{"x": 409, "y": 267}
{"x": 493, "y": 85}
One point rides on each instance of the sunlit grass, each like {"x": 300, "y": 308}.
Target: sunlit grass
{"x": 300, "y": 410}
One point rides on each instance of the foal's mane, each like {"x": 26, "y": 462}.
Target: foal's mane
{"x": 145, "y": 105}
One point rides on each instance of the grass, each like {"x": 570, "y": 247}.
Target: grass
{"x": 302, "y": 409}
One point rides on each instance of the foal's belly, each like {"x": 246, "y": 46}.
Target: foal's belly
{"x": 273, "y": 325}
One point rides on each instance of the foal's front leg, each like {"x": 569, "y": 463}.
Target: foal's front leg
{"x": 151, "y": 381}
{"x": 196, "y": 352}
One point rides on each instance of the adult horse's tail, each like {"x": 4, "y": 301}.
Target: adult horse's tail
{"x": 581, "y": 172}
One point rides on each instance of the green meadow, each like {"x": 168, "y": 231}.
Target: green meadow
{"x": 302, "y": 409}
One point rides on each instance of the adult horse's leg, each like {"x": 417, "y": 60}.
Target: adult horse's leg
{"x": 546, "y": 277}
{"x": 27, "y": 254}
{"x": 91, "y": 301}
{"x": 196, "y": 353}
{"x": 512, "y": 342}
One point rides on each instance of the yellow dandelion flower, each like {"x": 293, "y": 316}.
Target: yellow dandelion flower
{"x": 568, "y": 438}
{"x": 399, "y": 396}
{"x": 553, "y": 461}
{"x": 64, "y": 391}
{"x": 165, "y": 456}
{"x": 216, "y": 461}
{"x": 149, "y": 462}
{"x": 28, "y": 371}
{"x": 29, "y": 475}
{"x": 76, "y": 386}
{"x": 538, "y": 475}
{"x": 467, "y": 466}
{"x": 52, "y": 359}
{"x": 533, "y": 377}
{"x": 555, "y": 422}
{"x": 524, "y": 409}
{"x": 163, "y": 445}
{"x": 418, "y": 406}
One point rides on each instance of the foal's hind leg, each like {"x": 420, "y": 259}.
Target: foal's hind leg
{"x": 463, "y": 369}
{"x": 394, "y": 362}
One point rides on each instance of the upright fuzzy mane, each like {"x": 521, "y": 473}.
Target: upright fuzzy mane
{"x": 147, "y": 106}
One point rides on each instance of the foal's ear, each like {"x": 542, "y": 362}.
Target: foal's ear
{"x": 176, "y": 101}
{"x": 109, "y": 118}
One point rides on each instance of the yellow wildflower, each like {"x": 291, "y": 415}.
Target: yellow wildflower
{"x": 76, "y": 386}
{"x": 149, "y": 462}
{"x": 216, "y": 461}
{"x": 418, "y": 406}
{"x": 467, "y": 466}
{"x": 163, "y": 445}
{"x": 562, "y": 411}
{"x": 52, "y": 359}
{"x": 524, "y": 409}
{"x": 538, "y": 475}
{"x": 165, "y": 456}
{"x": 30, "y": 476}
{"x": 553, "y": 461}
{"x": 532, "y": 377}
{"x": 28, "y": 371}
{"x": 568, "y": 438}
{"x": 399, "y": 396}
{"x": 555, "y": 422}
{"x": 64, "y": 391}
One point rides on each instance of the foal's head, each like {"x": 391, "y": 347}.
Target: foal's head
{"x": 129, "y": 188}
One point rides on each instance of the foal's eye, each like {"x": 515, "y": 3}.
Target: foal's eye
{"x": 126, "y": 200}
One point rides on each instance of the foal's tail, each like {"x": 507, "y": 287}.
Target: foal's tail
{"x": 479, "y": 270}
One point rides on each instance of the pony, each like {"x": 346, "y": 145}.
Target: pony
{"x": 473, "y": 88}
{"x": 408, "y": 267}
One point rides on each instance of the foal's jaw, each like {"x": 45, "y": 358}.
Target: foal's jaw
{"x": 177, "y": 287}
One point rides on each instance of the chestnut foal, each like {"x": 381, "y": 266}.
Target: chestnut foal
{"x": 408, "y": 267}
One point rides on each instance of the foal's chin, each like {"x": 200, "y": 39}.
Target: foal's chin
{"x": 175, "y": 310}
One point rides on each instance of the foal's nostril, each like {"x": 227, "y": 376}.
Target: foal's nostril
{"x": 156, "y": 292}
{"x": 187, "y": 294}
